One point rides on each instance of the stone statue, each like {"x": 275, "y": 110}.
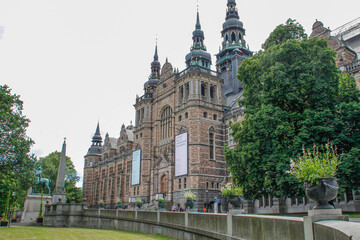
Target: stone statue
{"x": 43, "y": 182}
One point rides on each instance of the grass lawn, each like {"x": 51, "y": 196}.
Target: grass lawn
{"x": 354, "y": 215}
{"x": 45, "y": 233}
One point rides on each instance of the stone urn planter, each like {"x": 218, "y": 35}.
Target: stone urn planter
{"x": 322, "y": 191}
{"x": 4, "y": 224}
{"x": 236, "y": 201}
{"x": 190, "y": 203}
{"x": 161, "y": 205}
{"x": 139, "y": 205}
{"x": 119, "y": 205}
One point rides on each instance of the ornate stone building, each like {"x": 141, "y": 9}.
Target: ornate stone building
{"x": 190, "y": 107}
{"x": 345, "y": 40}
{"x": 182, "y": 125}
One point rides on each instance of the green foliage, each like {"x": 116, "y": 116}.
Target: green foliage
{"x": 50, "y": 167}
{"x": 7, "y": 208}
{"x": 282, "y": 33}
{"x": 316, "y": 164}
{"x": 189, "y": 195}
{"x": 15, "y": 162}
{"x": 349, "y": 170}
{"x": 160, "y": 199}
{"x": 231, "y": 190}
{"x": 294, "y": 97}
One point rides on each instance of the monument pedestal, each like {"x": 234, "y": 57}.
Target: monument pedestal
{"x": 32, "y": 207}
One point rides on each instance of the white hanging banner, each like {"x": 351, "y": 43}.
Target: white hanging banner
{"x": 136, "y": 167}
{"x": 181, "y": 154}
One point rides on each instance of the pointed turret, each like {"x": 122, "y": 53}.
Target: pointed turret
{"x": 97, "y": 139}
{"x": 96, "y": 147}
{"x": 198, "y": 55}
{"x": 151, "y": 84}
{"x": 155, "y": 65}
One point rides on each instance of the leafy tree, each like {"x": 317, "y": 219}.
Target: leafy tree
{"x": 282, "y": 33}
{"x": 15, "y": 162}
{"x": 50, "y": 166}
{"x": 295, "y": 97}
{"x": 348, "y": 129}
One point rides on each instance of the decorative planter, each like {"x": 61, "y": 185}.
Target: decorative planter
{"x": 102, "y": 205}
{"x": 119, "y": 205}
{"x": 162, "y": 205}
{"x": 4, "y": 224}
{"x": 39, "y": 220}
{"x": 139, "y": 205}
{"x": 13, "y": 220}
{"x": 236, "y": 201}
{"x": 322, "y": 191}
{"x": 190, "y": 203}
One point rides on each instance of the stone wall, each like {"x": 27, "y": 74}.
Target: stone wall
{"x": 189, "y": 225}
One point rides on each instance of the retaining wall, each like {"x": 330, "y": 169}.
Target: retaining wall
{"x": 191, "y": 225}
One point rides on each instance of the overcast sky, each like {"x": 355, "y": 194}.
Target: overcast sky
{"x": 77, "y": 62}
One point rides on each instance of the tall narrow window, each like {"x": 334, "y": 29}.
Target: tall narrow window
{"x": 184, "y": 182}
{"x": 212, "y": 91}
{"x": 233, "y": 39}
{"x": 181, "y": 94}
{"x": 179, "y": 183}
{"x": 211, "y": 145}
{"x": 166, "y": 123}
{"x": 203, "y": 88}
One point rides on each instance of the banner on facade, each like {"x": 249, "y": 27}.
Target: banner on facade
{"x": 136, "y": 167}
{"x": 181, "y": 154}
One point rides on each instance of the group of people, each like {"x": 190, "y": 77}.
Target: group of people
{"x": 174, "y": 209}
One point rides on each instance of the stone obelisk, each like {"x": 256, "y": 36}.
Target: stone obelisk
{"x": 60, "y": 181}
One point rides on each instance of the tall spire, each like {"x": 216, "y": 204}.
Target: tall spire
{"x": 198, "y": 55}
{"x": 198, "y": 25}
{"x": 156, "y": 57}
{"x": 97, "y": 139}
{"x": 198, "y": 35}
{"x": 232, "y": 11}
{"x": 155, "y": 65}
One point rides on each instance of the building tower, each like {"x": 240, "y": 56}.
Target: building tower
{"x": 140, "y": 185}
{"x": 198, "y": 55}
{"x": 198, "y": 133}
{"x": 233, "y": 50}
{"x": 93, "y": 157}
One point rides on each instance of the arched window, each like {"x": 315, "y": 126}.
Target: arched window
{"x": 186, "y": 115}
{"x": 205, "y": 114}
{"x": 212, "y": 91}
{"x": 233, "y": 39}
{"x": 211, "y": 145}
{"x": 163, "y": 185}
{"x": 166, "y": 123}
{"x": 203, "y": 89}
